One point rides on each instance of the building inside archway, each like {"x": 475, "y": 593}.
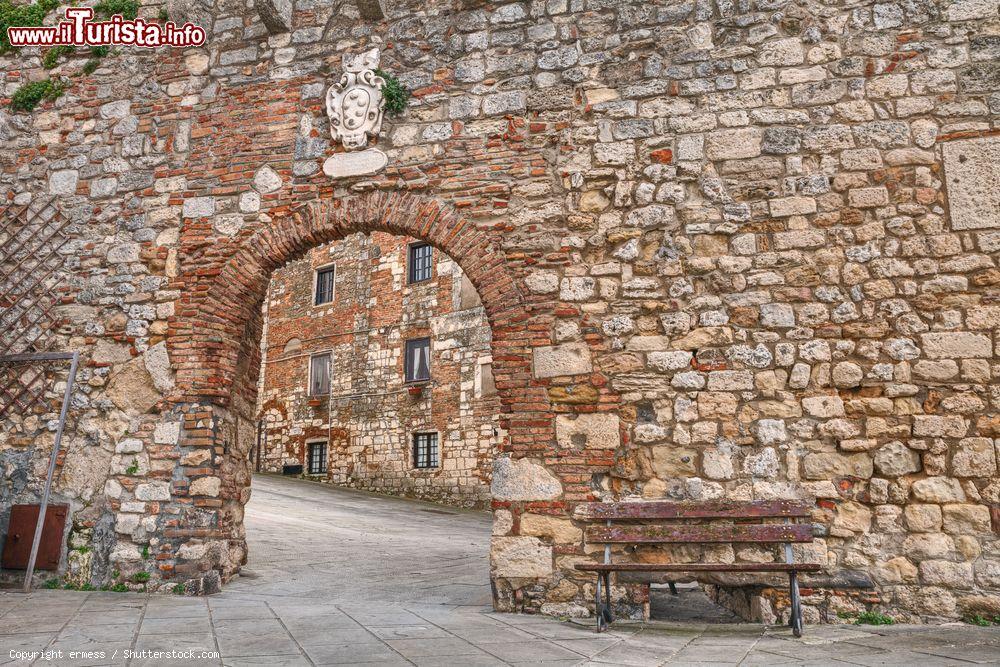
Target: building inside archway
{"x": 376, "y": 373}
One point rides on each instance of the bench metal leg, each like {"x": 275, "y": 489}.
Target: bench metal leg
{"x": 607, "y": 599}
{"x": 599, "y": 605}
{"x": 602, "y": 607}
{"x": 795, "y": 616}
{"x": 673, "y": 587}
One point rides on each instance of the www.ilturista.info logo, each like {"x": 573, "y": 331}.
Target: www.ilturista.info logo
{"x": 79, "y": 30}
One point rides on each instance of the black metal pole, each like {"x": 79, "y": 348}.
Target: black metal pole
{"x": 40, "y": 524}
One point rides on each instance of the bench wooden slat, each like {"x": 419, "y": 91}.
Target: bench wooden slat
{"x": 720, "y": 509}
{"x": 709, "y": 533}
{"x": 698, "y": 567}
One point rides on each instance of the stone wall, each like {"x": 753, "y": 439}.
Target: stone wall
{"x": 370, "y": 417}
{"x": 740, "y": 250}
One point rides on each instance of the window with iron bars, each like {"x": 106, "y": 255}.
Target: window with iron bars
{"x": 421, "y": 262}
{"x": 425, "y": 450}
{"x": 324, "y": 285}
{"x": 316, "y": 465}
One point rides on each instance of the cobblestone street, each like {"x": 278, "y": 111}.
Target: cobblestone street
{"x": 341, "y": 577}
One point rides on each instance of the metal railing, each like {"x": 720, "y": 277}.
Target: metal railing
{"x": 33, "y": 256}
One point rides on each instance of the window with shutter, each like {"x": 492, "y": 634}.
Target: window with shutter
{"x": 319, "y": 374}
{"x": 417, "y": 365}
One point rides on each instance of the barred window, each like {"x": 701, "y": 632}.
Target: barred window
{"x": 421, "y": 262}
{"x": 324, "y": 285}
{"x": 319, "y": 374}
{"x": 316, "y": 465}
{"x": 425, "y": 450}
{"x": 417, "y": 365}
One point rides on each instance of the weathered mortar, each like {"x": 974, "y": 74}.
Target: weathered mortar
{"x": 369, "y": 418}
{"x": 759, "y": 240}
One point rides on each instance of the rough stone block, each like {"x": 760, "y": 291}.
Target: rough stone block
{"x": 588, "y": 431}
{"x": 938, "y": 490}
{"x": 974, "y": 457}
{"x": 670, "y": 361}
{"x": 956, "y": 345}
{"x": 515, "y": 557}
{"x": 733, "y": 144}
{"x": 970, "y": 10}
{"x": 939, "y": 426}
{"x": 923, "y": 518}
{"x": 787, "y": 206}
{"x": 779, "y": 52}
{"x": 829, "y": 465}
{"x": 868, "y": 197}
{"x": 966, "y": 519}
{"x": 973, "y": 181}
{"x": 542, "y": 282}
{"x": 670, "y": 461}
{"x": 823, "y": 406}
{"x": 896, "y": 459}
{"x": 153, "y": 491}
{"x": 276, "y": 15}
{"x": 946, "y": 573}
{"x": 577, "y": 289}
{"x": 199, "y": 207}
{"x": 63, "y": 182}
{"x": 523, "y": 479}
{"x": 730, "y": 380}
{"x": 558, "y": 530}
{"x": 266, "y": 180}
{"x": 205, "y": 486}
{"x": 566, "y": 359}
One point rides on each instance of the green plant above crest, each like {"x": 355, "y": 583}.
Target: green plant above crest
{"x": 395, "y": 96}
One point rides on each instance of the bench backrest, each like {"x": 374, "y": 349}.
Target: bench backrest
{"x": 620, "y": 528}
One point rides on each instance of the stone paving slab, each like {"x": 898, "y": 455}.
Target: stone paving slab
{"x": 315, "y": 633}
{"x": 333, "y": 623}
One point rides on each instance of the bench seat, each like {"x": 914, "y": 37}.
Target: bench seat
{"x": 699, "y": 567}
{"x": 663, "y": 522}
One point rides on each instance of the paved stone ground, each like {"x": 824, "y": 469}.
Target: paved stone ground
{"x": 345, "y": 578}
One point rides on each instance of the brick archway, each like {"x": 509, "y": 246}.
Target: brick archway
{"x": 205, "y": 351}
{"x": 214, "y": 346}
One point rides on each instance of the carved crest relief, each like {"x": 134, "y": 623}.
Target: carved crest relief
{"x": 354, "y": 103}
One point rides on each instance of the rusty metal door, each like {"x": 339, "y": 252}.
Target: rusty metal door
{"x": 21, "y": 531}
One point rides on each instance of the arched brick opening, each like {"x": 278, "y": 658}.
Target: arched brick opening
{"x": 214, "y": 347}
{"x": 205, "y": 349}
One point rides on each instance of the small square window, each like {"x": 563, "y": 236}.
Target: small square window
{"x": 324, "y": 285}
{"x": 319, "y": 374}
{"x": 421, "y": 262}
{"x": 417, "y": 365}
{"x": 425, "y": 450}
{"x": 316, "y": 465}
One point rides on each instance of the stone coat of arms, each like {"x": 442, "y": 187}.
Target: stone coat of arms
{"x": 354, "y": 103}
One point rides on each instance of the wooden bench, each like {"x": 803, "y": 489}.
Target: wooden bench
{"x": 661, "y": 522}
